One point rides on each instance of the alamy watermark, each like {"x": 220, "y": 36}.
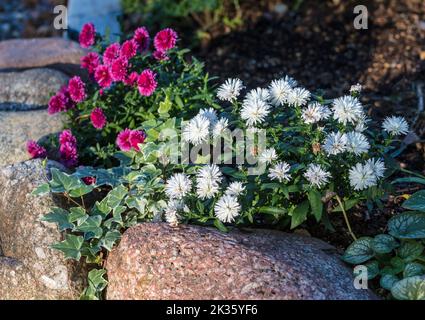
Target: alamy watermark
{"x": 361, "y": 21}
{"x": 61, "y": 20}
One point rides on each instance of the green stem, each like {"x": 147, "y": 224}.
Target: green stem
{"x": 347, "y": 222}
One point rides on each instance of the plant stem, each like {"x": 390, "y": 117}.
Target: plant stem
{"x": 347, "y": 222}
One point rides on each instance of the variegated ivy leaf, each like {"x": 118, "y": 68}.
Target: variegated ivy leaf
{"x": 60, "y": 217}
{"x": 70, "y": 246}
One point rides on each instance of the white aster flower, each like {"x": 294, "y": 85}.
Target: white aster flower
{"x": 210, "y": 114}
{"x": 210, "y": 172}
{"x": 362, "y": 123}
{"x": 227, "y": 208}
{"x": 206, "y": 189}
{"x": 356, "y": 88}
{"x": 298, "y": 97}
{"x": 279, "y": 90}
{"x": 235, "y": 189}
{"x": 280, "y": 172}
{"x": 335, "y": 143}
{"x": 230, "y": 90}
{"x": 377, "y": 166}
{"x": 220, "y": 127}
{"x": 347, "y": 109}
{"x": 196, "y": 130}
{"x": 174, "y": 207}
{"x": 259, "y": 93}
{"x": 268, "y": 156}
{"x": 254, "y": 111}
{"x": 357, "y": 143}
{"x": 316, "y": 175}
{"x": 395, "y": 125}
{"x": 315, "y": 112}
{"x": 178, "y": 186}
{"x": 361, "y": 177}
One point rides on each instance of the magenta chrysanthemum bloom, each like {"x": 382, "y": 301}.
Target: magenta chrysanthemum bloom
{"x": 146, "y": 82}
{"x": 90, "y": 62}
{"x": 131, "y": 79}
{"x": 66, "y": 136}
{"x": 129, "y": 49}
{"x": 35, "y": 150}
{"x": 165, "y": 40}
{"x": 160, "y": 55}
{"x": 141, "y": 36}
{"x": 137, "y": 137}
{"x": 103, "y": 76}
{"x": 111, "y": 53}
{"x": 98, "y": 118}
{"x": 119, "y": 69}
{"x": 77, "y": 89}
{"x": 55, "y": 105}
{"x": 87, "y": 35}
{"x": 68, "y": 149}
{"x": 89, "y": 180}
{"x": 123, "y": 140}
{"x": 60, "y": 102}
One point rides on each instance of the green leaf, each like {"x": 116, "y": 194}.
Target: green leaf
{"x": 409, "y": 180}
{"x": 410, "y": 251}
{"x": 116, "y": 195}
{"x": 77, "y": 214}
{"x": 220, "y": 226}
{"x": 64, "y": 182}
{"x": 409, "y": 225}
{"x": 414, "y": 269}
{"x": 416, "y": 201}
{"x": 347, "y": 205}
{"x": 359, "y": 251}
{"x": 316, "y": 204}
{"x": 70, "y": 246}
{"x": 372, "y": 269}
{"x": 299, "y": 215}
{"x": 81, "y": 191}
{"x": 91, "y": 227}
{"x": 412, "y": 288}
{"x": 384, "y": 243}
{"x": 387, "y": 281}
{"x": 165, "y": 106}
{"x": 109, "y": 240}
{"x": 41, "y": 190}
{"x": 60, "y": 217}
{"x": 273, "y": 211}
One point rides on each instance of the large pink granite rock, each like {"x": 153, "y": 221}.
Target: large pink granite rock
{"x": 156, "y": 261}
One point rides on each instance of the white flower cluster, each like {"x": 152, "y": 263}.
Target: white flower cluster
{"x": 204, "y": 125}
{"x": 208, "y": 186}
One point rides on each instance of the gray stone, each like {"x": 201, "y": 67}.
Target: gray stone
{"x": 102, "y": 13}
{"x": 156, "y": 261}
{"x": 32, "y": 269}
{"x": 16, "y": 128}
{"x": 56, "y": 53}
{"x": 30, "y": 89}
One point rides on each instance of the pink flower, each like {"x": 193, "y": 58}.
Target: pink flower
{"x": 103, "y": 76}
{"x": 123, "y": 140}
{"x": 137, "y": 137}
{"x": 98, "y": 118}
{"x": 141, "y": 36}
{"x": 77, "y": 89}
{"x": 129, "y": 49}
{"x": 130, "y": 139}
{"x": 165, "y": 39}
{"x": 55, "y": 105}
{"x": 35, "y": 150}
{"x": 60, "y": 102}
{"x": 119, "y": 69}
{"x": 160, "y": 55}
{"x": 66, "y": 136}
{"x": 131, "y": 79}
{"x": 87, "y": 35}
{"x": 68, "y": 149}
{"x": 89, "y": 180}
{"x": 111, "y": 53}
{"x": 90, "y": 62}
{"x": 146, "y": 82}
